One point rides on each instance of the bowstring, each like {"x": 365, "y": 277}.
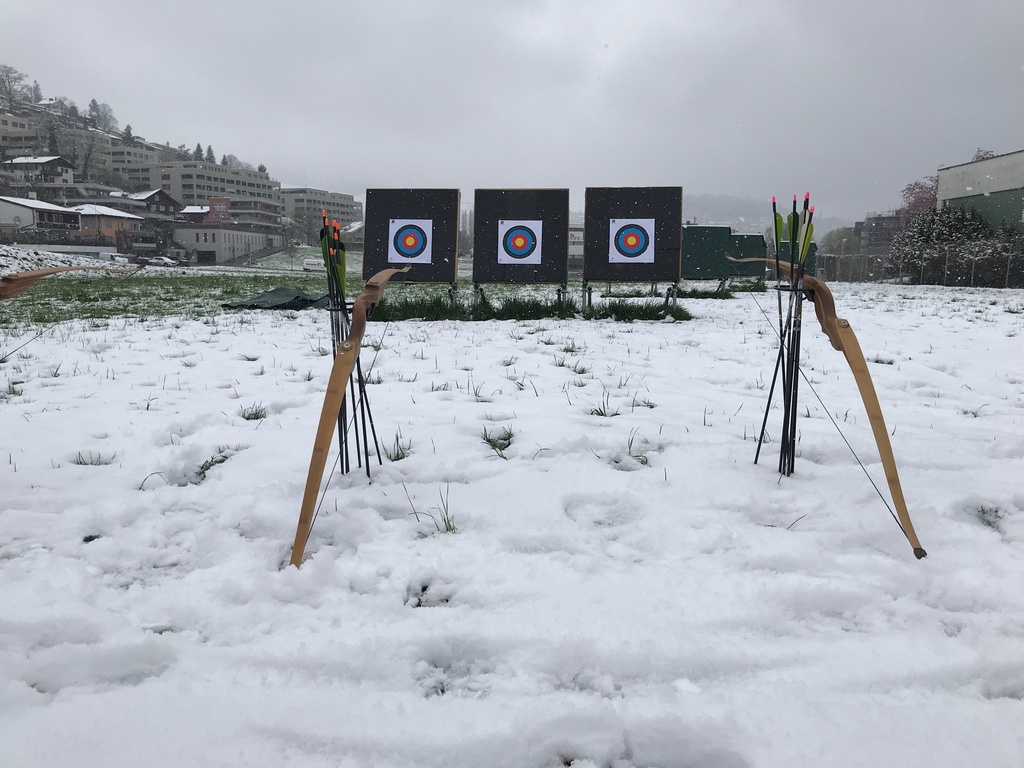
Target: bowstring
{"x": 860, "y": 463}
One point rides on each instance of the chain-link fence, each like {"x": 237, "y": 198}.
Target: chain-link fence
{"x": 992, "y": 265}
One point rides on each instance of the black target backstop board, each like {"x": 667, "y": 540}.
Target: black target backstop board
{"x": 633, "y": 234}
{"x": 415, "y": 227}
{"x": 521, "y": 236}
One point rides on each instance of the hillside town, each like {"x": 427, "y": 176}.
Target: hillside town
{"x": 75, "y": 182}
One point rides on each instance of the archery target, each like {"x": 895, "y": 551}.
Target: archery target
{"x": 631, "y": 241}
{"x": 409, "y": 241}
{"x": 519, "y": 241}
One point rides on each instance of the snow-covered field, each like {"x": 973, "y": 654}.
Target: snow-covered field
{"x": 625, "y": 590}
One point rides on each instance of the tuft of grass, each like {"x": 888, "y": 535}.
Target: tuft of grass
{"x": 444, "y": 521}
{"x": 210, "y": 463}
{"x": 640, "y": 458}
{"x": 90, "y": 459}
{"x": 605, "y": 408}
{"x": 400, "y": 450}
{"x": 499, "y": 441}
{"x": 254, "y": 412}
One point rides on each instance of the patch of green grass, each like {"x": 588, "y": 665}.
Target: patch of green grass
{"x": 200, "y": 296}
{"x": 83, "y": 296}
{"x": 254, "y": 412}
{"x": 628, "y": 311}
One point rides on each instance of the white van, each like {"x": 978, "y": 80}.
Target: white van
{"x": 313, "y": 265}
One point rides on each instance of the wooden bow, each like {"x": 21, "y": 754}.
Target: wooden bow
{"x": 18, "y": 283}
{"x": 841, "y": 336}
{"x": 344, "y": 363}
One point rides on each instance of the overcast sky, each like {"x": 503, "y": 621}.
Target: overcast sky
{"x": 849, "y": 100}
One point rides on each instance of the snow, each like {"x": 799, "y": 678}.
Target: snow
{"x": 26, "y": 202}
{"x": 91, "y": 209}
{"x": 620, "y": 591}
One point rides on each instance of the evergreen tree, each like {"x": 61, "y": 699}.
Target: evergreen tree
{"x": 37, "y": 92}
{"x": 51, "y": 138}
{"x": 197, "y": 153}
{"x": 210, "y": 157}
{"x": 261, "y": 168}
{"x": 223, "y": 159}
{"x": 126, "y": 135}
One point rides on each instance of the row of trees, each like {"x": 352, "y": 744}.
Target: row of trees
{"x": 937, "y": 246}
{"x": 953, "y": 246}
{"x": 14, "y": 90}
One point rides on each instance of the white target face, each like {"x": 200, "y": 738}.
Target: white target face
{"x": 409, "y": 241}
{"x": 631, "y": 241}
{"x": 519, "y": 241}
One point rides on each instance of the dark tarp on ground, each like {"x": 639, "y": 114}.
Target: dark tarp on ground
{"x": 279, "y": 298}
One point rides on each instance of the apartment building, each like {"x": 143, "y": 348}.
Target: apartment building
{"x": 18, "y": 135}
{"x": 254, "y": 196}
{"x": 304, "y": 205}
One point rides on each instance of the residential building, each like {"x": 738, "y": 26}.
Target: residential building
{"x": 18, "y": 135}
{"x": 18, "y": 214}
{"x": 152, "y": 203}
{"x": 877, "y": 230}
{"x": 110, "y": 224}
{"x": 994, "y": 187}
{"x": 194, "y": 182}
{"x": 51, "y": 169}
{"x": 304, "y": 206}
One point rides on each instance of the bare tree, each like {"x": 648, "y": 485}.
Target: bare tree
{"x": 12, "y": 85}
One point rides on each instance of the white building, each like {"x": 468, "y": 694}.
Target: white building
{"x": 19, "y": 213}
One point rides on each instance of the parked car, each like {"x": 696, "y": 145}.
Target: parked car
{"x": 162, "y": 261}
{"x": 313, "y": 265}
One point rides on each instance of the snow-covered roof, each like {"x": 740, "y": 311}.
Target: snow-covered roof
{"x": 195, "y": 209}
{"x": 355, "y": 226}
{"x": 35, "y": 160}
{"x": 90, "y": 209}
{"x": 38, "y": 205}
{"x": 143, "y": 195}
